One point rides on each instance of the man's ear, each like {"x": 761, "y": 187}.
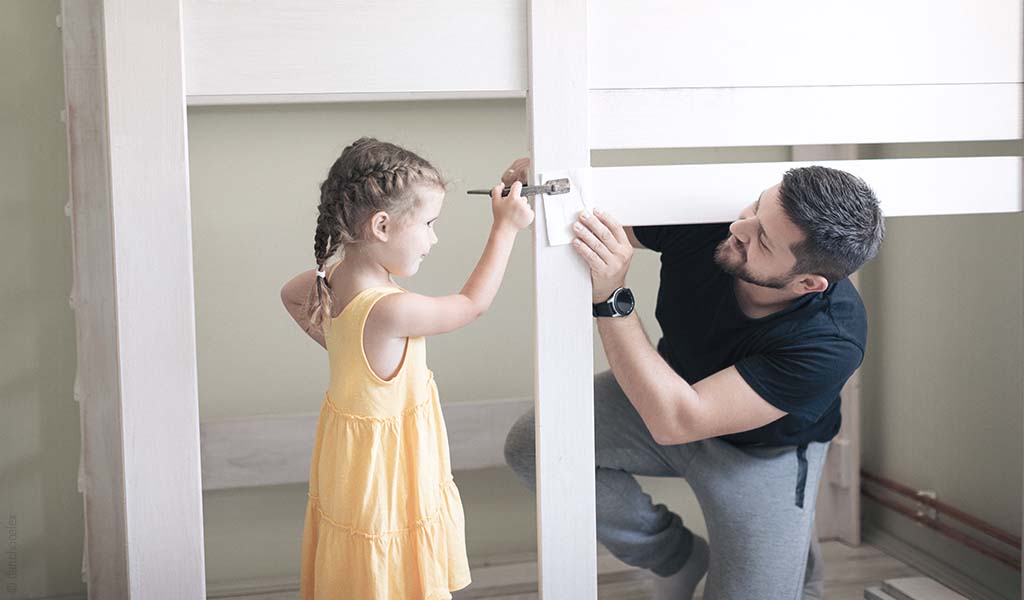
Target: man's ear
{"x": 380, "y": 226}
{"x": 809, "y": 282}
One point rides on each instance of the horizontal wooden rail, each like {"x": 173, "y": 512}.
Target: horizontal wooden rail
{"x": 276, "y": 449}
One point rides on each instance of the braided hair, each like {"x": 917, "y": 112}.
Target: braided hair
{"x": 369, "y": 176}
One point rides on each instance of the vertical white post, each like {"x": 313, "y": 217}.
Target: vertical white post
{"x": 837, "y": 510}
{"x": 564, "y": 332}
{"x": 134, "y": 299}
{"x": 96, "y": 387}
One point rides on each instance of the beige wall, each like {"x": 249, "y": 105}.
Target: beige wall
{"x": 943, "y": 388}
{"x": 254, "y": 177}
{"x": 40, "y": 507}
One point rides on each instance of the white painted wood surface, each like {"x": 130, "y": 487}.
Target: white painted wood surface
{"x": 837, "y": 509}
{"x": 716, "y": 192}
{"x": 96, "y": 388}
{"x": 132, "y": 223}
{"x": 768, "y": 116}
{"x": 276, "y": 449}
{"x": 317, "y": 50}
{"x": 744, "y": 43}
{"x": 315, "y": 47}
{"x": 564, "y": 392}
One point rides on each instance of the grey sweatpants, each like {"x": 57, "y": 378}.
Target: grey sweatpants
{"x": 759, "y": 539}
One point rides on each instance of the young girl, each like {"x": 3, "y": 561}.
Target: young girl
{"x": 384, "y": 518}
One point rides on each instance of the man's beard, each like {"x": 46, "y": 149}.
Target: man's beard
{"x": 738, "y": 268}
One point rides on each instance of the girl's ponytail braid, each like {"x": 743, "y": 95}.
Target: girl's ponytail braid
{"x": 329, "y": 236}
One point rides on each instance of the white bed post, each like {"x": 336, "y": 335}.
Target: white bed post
{"x": 564, "y": 393}
{"x": 837, "y": 510}
{"x": 133, "y": 299}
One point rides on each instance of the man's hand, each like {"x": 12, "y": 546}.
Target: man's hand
{"x": 516, "y": 171}
{"x": 602, "y": 242}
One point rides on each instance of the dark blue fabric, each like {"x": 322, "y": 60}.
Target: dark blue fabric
{"x": 797, "y": 359}
{"x": 801, "y": 474}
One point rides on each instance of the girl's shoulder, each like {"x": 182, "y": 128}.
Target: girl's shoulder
{"x": 348, "y": 299}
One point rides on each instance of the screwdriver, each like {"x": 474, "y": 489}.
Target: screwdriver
{"x": 553, "y": 187}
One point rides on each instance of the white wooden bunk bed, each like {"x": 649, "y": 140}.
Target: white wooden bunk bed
{"x": 596, "y": 75}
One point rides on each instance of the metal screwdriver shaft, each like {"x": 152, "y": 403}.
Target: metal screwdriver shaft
{"x": 553, "y": 187}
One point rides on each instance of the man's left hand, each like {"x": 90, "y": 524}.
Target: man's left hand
{"x": 602, "y": 242}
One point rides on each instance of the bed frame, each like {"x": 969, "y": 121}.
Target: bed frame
{"x": 818, "y": 76}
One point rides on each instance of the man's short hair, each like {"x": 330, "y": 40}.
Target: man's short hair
{"x": 840, "y": 217}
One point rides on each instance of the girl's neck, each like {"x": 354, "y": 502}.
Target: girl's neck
{"x": 360, "y": 270}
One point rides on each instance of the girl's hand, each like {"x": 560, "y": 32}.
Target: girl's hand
{"x": 512, "y": 211}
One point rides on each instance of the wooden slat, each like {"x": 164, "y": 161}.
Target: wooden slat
{"x": 514, "y": 577}
{"x": 276, "y": 449}
{"x": 564, "y": 393}
{"x": 96, "y": 388}
{"x": 768, "y": 116}
{"x": 281, "y": 48}
{"x": 229, "y": 99}
{"x": 717, "y": 192}
{"x": 742, "y": 43}
{"x": 150, "y": 225}
{"x": 837, "y": 508}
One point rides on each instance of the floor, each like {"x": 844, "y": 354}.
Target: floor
{"x": 847, "y": 570}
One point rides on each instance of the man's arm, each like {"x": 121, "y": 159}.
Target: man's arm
{"x": 674, "y": 411}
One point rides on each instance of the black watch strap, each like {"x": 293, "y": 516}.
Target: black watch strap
{"x": 604, "y": 309}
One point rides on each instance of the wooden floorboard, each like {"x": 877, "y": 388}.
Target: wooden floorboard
{"x": 848, "y": 571}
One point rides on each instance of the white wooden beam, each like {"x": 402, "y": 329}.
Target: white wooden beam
{"x": 716, "y": 192}
{"x": 769, "y": 116}
{"x": 133, "y": 296}
{"x": 564, "y": 392}
{"x": 837, "y": 508}
{"x": 286, "y": 48}
{"x": 241, "y": 99}
{"x": 96, "y": 388}
{"x": 276, "y": 449}
{"x": 739, "y": 43}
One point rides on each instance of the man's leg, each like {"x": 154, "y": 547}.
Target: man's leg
{"x": 760, "y": 538}
{"x": 636, "y": 531}
{"x": 814, "y": 580}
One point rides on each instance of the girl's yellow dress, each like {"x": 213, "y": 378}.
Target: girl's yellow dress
{"x": 384, "y": 519}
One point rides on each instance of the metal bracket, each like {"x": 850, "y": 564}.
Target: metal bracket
{"x": 561, "y": 210}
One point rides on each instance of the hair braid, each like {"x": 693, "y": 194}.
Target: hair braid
{"x": 368, "y": 177}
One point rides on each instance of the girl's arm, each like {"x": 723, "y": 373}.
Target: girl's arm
{"x": 295, "y": 295}
{"x": 416, "y": 315}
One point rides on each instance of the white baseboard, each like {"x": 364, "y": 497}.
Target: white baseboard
{"x": 938, "y": 570}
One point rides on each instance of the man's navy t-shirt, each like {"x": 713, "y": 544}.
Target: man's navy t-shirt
{"x": 797, "y": 359}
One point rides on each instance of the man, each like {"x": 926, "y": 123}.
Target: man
{"x": 761, "y": 329}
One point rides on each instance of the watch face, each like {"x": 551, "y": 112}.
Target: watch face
{"x": 624, "y": 301}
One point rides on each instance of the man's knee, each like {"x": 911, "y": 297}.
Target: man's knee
{"x": 520, "y": 449}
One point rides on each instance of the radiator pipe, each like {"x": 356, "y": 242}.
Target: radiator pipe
{"x": 971, "y": 521}
{"x": 944, "y": 529}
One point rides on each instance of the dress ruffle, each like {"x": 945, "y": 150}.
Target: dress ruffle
{"x": 383, "y": 507}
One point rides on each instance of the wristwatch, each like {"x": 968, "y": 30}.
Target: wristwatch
{"x": 620, "y": 304}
